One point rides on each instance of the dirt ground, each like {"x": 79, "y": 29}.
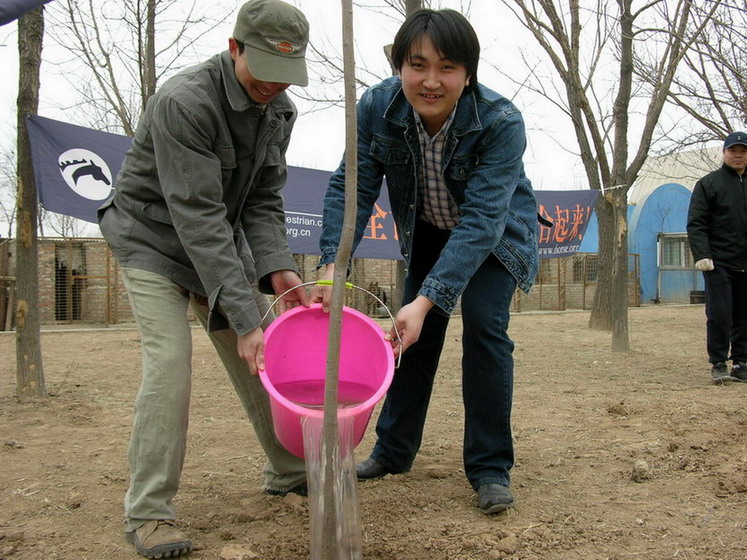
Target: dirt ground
{"x": 619, "y": 455}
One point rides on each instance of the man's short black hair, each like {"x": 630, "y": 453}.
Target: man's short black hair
{"x": 449, "y": 31}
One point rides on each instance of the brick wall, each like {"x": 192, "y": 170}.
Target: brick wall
{"x": 79, "y": 281}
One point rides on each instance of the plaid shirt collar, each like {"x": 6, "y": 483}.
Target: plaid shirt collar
{"x": 426, "y": 138}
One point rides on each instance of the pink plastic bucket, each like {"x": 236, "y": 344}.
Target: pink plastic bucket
{"x": 296, "y": 365}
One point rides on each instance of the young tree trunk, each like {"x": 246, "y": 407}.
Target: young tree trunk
{"x": 344, "y": 250}
{"x": 412, "y": 6}
{"x": 601, "y": 313}
{"x": 610, "y": 307}
{"x": 29, "y": 370}
{"x": 610, "y": 310}
{"x": 619, "y": 299}
{"x": 398, "y": 290}
{"x": 149, "y": 56}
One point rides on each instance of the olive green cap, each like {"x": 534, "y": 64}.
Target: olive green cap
{"x": 275, "y": 35}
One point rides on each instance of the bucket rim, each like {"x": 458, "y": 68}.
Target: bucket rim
{"x": 356, "y": 410}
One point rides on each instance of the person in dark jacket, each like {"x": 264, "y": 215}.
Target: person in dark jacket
{"x": 197, "y": 222}
{"x": 451, "y": 151}
{"x": 717, "y": 231}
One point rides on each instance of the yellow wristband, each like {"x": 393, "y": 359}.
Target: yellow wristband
{"x": 348, "y": 285}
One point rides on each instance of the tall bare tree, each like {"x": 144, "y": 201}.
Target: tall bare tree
{"x": 593, "y": 49}
{"x": 125, "y": 47}
{"x": 29, "y": 369}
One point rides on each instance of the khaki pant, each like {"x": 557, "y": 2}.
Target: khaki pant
{"x": 159, "y": 434}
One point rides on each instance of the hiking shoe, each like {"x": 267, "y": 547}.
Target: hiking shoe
{"x": 720, "y": 375}
{"x": 739, "y": 371}
{"x": 494, "y": 498}
{"x": 301, "y": 490}
{"x": 159, "y": 538}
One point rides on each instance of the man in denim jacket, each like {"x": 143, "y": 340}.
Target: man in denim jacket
{"x": 197, "y": 221}
{"x": 451, "y": 152}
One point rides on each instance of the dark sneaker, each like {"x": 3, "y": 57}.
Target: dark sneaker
{"x": 301, "y": 490}
{"x": 720, "y": 374}
{"x": 494, "y": 498}
{"x": 739, "y": 371}
{"x": 370, "y": 469}
{"x": 159, "y": 538}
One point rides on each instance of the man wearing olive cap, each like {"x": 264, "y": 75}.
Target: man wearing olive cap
{"x": 197, "y": 222}
{"x": 717, "y": 232}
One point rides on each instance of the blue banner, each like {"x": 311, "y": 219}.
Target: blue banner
{"x": 75, "y": 169}
{"x": 11, "y": 10}
{"x": 304, "y": 198}
{"x": 569, "y": 212}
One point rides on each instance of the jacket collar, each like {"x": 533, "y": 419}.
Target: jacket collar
{"x": 732, "y": 171}
{"x": 466, "y": 119}
{"x": 238, "y": 98}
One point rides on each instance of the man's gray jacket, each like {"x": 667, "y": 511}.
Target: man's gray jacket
{"x": 198, "y": 196}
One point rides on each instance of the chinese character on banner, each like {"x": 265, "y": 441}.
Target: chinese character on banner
{"x": 569, "y": 212}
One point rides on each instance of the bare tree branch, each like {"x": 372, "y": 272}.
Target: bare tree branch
{"x": 710, "y": 87}
{"x": 118, "y": 50}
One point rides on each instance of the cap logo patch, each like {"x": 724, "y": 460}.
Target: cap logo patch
{"x": 283, "y": 46}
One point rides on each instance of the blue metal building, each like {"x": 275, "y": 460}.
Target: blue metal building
{"x": 657, "y": 233}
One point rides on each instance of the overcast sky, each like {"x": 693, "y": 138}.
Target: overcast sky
{"x": 318, "y": 140}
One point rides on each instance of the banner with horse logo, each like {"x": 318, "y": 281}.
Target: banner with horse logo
{"x": 75, "y": 169}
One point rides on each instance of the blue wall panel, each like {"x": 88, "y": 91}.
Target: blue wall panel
{"x": 663, "y": 211}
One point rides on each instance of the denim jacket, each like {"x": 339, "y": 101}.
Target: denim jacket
{"x": 484, "y": 172}
{"x": 198, "y": 197}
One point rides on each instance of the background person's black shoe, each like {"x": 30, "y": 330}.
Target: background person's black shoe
{"x": 720, "y": 374}
{"x": 370, "y": 469}
{"x": 739, "y": 371}
{"x": 494, "y": 498}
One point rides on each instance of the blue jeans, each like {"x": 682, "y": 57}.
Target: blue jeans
{"x": 487, "y": 371}
{"x": 726, "y": 314}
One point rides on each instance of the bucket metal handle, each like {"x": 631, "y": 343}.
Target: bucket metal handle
{"x": 348, "y": 285}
